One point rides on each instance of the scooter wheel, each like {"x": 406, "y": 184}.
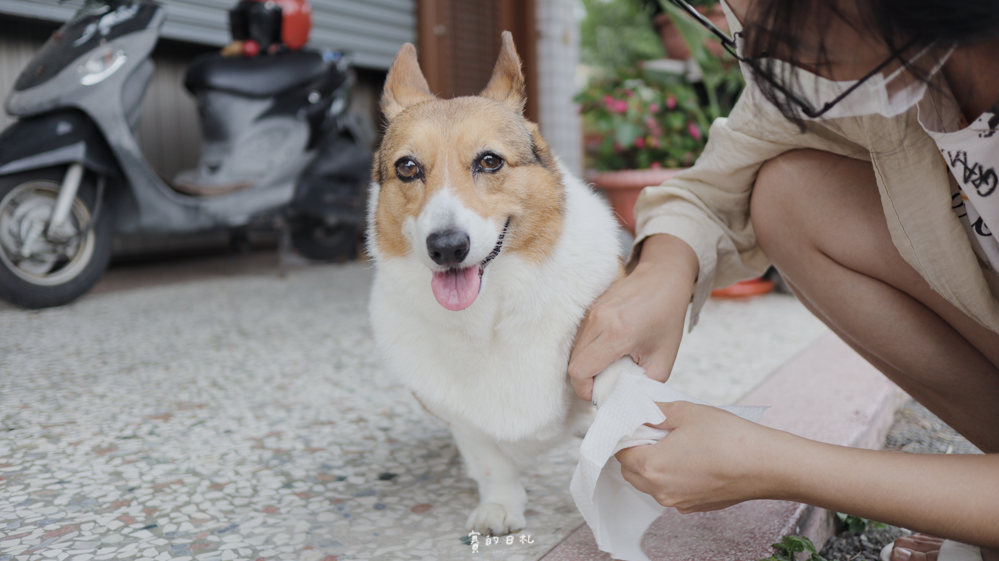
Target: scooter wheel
{"x": 321, "y": 242}
{"x": 38, "y": 270}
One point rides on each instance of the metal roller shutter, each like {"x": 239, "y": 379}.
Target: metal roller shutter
{"x": 372, "y": 29}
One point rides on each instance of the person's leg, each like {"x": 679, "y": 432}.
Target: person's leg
{"x": 819, "y": 218}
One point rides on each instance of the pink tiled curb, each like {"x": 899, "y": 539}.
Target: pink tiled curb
{"x": 827, "y": 393}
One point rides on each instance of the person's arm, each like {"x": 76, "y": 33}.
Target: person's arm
{"x": 712, "y": 459}
{"x": 693, "y": 234}
{"x": 640, "y": 315}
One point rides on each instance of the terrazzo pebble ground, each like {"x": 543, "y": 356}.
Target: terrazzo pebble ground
{"x": 251, "y": 418}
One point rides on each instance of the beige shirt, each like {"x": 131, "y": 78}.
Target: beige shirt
{"x": 707, "y": 205}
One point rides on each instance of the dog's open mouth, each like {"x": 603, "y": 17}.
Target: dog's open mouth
{"x": 456, "y": 289}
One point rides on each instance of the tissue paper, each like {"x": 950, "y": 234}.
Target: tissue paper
{"x": 617, "y": 513}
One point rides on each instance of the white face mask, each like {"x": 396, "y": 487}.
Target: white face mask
{"x": 888, "y": 96}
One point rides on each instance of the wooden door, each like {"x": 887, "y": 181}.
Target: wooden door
{"x": 459, "y": 41}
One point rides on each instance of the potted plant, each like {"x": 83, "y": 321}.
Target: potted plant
{"x": 640, "y": 129}
{"x": 642, "y": 126}
{"x": 670, "y": 35}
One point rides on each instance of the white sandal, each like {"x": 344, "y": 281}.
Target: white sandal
{"x": 949, "y": 551}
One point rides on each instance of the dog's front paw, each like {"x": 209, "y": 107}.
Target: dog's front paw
{"x": 496, "y": 519}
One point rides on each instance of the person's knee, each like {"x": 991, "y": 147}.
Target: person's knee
{"x": 808, "y": 200}
{"x": 776, "y": 205}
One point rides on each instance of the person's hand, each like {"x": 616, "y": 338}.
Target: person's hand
{"x": 640, "y": 315}
{"x": 711, "y": 459}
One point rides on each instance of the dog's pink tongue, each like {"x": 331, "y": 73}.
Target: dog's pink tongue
{"x": 456, "y": 289}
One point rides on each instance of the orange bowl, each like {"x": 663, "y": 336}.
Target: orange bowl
{"x": 742, "y": 289}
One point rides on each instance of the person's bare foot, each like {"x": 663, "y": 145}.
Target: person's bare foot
{"x": 922, "y": 547}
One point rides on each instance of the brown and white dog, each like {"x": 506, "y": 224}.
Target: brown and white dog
{"x": 488, "y": 253}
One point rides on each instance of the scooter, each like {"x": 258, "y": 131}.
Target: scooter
{"x": 279, "y": 148}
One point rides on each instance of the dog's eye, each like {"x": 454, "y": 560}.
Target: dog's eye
{"x": 407, "y": 169}
{"x": 489, "y": 163}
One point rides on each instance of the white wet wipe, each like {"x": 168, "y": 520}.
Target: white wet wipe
{"x": 617, "y": 513}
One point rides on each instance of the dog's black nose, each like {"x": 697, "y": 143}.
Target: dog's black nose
{"x": 447, "y": 247}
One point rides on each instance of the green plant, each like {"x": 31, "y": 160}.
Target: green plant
{"x": 722, "y": 76}
{"x": 643, "y": 120}
{"x": 706, "y": 4}
{"x": 788, "y": 546}
{"x": 617, "y": 34}
{"x": 857, "y": 525}
{"x": 638, "y": 119}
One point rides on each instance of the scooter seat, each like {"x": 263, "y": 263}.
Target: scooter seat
{"x": 262, "y": 76}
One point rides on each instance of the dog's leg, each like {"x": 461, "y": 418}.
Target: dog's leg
{"x": 501, "y": 496}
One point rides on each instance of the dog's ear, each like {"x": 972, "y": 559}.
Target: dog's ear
{"x": 542, "y": 152}
{"x": 405, "y": 84}
{"x": 507, "y": 84}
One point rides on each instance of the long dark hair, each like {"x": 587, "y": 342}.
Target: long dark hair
{"x": 904, "y": 26}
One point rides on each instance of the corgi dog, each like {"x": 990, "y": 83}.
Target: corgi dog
{"x": 487, "y": 254}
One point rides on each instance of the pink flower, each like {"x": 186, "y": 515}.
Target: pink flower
{"x": 629, "y": 93}
{"x": 640, "y": 142}
{"x": 621, "y": 106}
{"x": 650, "y": 122}
{"x": 655, "y": 165}
{"x": 694, "y": 131}
{"x": 653, "y": 107}
{"x": 671, "y": 102}
{"x": 609, "y": 102}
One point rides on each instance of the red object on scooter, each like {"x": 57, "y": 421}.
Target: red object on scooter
{"x": 272, "y": 22}
{"x": 296, "y": 23}
{"x": 251, "y": 48}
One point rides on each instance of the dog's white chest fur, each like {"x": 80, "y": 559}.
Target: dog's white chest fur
{"x": 500, "y": 365}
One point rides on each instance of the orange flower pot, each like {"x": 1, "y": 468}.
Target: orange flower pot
{"x": 623, "y": 188}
